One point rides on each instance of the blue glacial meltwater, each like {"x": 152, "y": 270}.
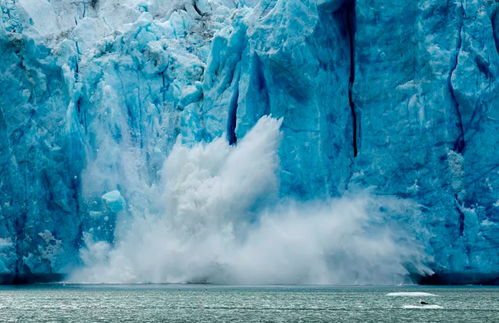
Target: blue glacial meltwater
{"x": 249, "y": 141}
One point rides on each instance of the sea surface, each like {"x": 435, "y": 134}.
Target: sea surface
{"x": 208, "y": 303}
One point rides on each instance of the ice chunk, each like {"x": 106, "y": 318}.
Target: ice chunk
{"x": 114, "y": 201}
{"x": 410, "y": 294}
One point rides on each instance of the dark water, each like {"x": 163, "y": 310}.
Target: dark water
{"x": 201, "y": 303}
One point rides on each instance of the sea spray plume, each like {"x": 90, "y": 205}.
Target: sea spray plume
{"x": 216, "y": 184}
{"x": 350, "y": 240}
{"x": 205, "y": 189}
{"x": 221, "y": 222}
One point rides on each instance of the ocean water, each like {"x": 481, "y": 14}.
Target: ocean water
{"x": 208, "y": 303}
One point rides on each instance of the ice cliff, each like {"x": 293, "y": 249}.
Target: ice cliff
{"x": 396, "y": 96}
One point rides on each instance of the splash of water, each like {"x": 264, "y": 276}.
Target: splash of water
{"x": 219, "y": 220}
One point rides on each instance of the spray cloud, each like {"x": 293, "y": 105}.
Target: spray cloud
{"x": 218, "y": 219}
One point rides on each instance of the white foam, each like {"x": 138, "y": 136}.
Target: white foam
{"x": 410, "y": 294}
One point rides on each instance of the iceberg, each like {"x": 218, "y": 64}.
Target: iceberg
{"x": 410, "y": 294}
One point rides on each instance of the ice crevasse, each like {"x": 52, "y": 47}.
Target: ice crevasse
{"x": 396, "y": 97}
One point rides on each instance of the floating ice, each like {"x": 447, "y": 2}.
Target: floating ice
{"x": 425, "y": 307}
{"x": 410, "y": 294}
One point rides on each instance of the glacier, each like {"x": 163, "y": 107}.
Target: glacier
{"x": 396, "y": 98}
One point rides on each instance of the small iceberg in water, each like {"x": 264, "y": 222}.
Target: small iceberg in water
{"x": 429, "y": 307}
{"x": 410, "y": 294}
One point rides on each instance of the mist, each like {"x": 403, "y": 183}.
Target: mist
{"x": 216, "y": 217}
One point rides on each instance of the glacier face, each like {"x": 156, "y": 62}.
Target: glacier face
{"x": 396, "y": 96}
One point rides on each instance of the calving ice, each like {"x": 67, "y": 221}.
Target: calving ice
{"x": 218, "y": 219}
{"x": 249, "y": 141}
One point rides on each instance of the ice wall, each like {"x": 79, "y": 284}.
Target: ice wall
{"x": 399, "y": 96}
